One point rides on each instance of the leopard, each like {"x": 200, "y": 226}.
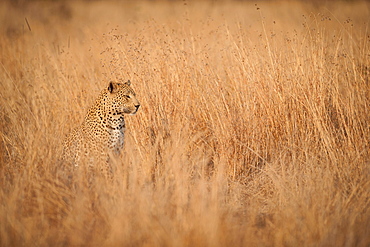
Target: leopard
{"x": 101, "y": 134}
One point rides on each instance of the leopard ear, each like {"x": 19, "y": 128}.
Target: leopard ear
{"x": 112, "y": 87}
{"x": 128, "y": 83}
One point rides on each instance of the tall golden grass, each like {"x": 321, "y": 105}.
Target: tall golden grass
{"x": 253, "y": 131}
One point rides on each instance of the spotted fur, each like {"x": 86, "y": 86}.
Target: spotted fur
{"x": 102, "y": 131}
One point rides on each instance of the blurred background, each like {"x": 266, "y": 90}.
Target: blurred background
{"x": 253, "y": 128}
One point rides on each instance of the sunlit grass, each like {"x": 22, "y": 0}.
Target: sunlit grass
{"x": 253, "y": 128}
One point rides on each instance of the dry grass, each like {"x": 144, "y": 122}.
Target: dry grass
{"x": 254, "y": 127}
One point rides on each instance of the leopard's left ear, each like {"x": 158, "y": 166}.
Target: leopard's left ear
{"x": 128, "y": 83}
{"x": 112, "y": 87}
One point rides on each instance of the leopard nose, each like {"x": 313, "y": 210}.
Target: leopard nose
{"x": 137, "y": 107}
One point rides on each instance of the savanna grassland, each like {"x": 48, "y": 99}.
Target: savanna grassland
{"x": 253, "y": 128}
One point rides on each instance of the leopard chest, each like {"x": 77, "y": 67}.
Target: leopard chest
{"x": 116, "y": 133}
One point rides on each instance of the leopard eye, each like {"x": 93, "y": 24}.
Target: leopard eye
{"x": 128, "y": 96}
